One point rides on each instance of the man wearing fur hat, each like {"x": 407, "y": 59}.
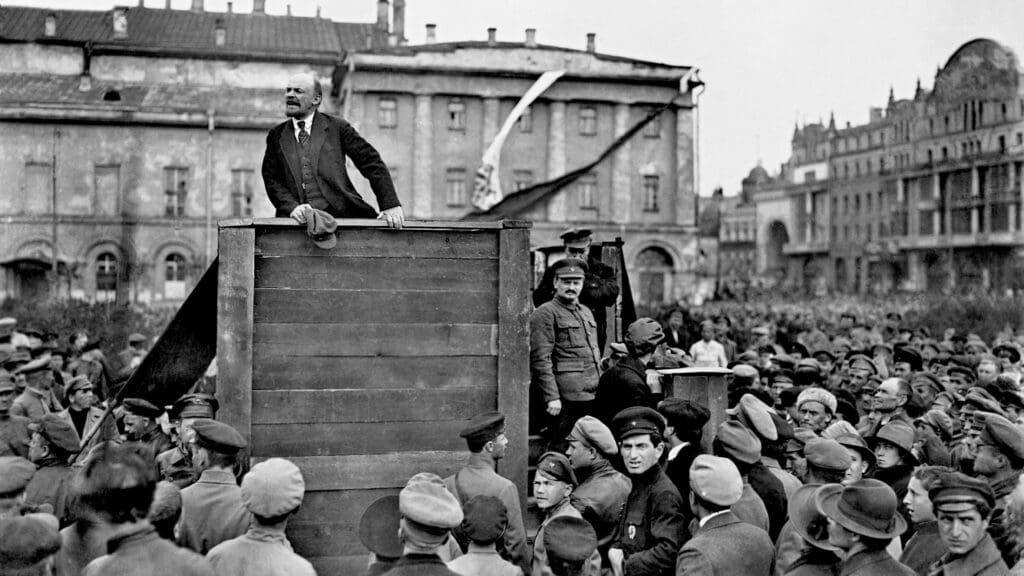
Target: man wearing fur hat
{"x": 817, "y": 408}
{"x": 603, "y": 490}
{"x": 429, "y": 513}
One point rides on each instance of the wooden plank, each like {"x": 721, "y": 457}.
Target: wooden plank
{"x": 387, "y": 306}
{"x": 323, "y": 406}
{"x": 373, "y": 243}
{"x": 375, "y": 339}
{"x": 373, "y": 372}
{"x": 377, "y": 223}
{"x": 235, "y": 294}
{"x": 352, "y": 564}
{"x": 338, "y": 439}
{"x": 321, "y": 539}
{"x": 514, "y": 309}
{"x": 345, "y": 273}
{"x": 362, "y": 471}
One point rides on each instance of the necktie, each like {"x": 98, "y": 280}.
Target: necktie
{"x": 303, "y": 135}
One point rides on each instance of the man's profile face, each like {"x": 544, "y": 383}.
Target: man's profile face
{"x": 300, "y": 96}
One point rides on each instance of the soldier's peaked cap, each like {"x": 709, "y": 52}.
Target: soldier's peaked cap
{"x": 484, "y": 427}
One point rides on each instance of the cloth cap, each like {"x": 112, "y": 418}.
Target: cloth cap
{"x": 638, "y": 420}
{"x": 25, "y": 541}
{"x": 862, "y": 362}
{"x": 273, "y": 487}
{"x": 982, "y": 400}
{"x": 594, "y": 433}
{"x": 738, "y": 442}
{"x": 959, "y": 488}
{"x": 195, "y": 406}
{"x": 967, "y": 373}
{"x": 217, "y": 436}
{"x": 928, "y": 379}
{"x": 17, "y": 472}
{"x": 809, "y": 365}
{"x": 556, "y": 465}
{"x": 837, "y": 429}
{"x": 59, "y": 432}
{"x": 745, "y": 372}
{"x": 569, "y": 268}
{"x": 818, "y": 354}
{"x": 866, "y": 507}
{"x": 75, "y": 384}
{"x": 827, "y": 454}
{"x": 789, "y": 396}
{"x": 136, "y": 338}
{"x": 378, "y": 528}
{"x": 320, "y": 227}
{"x": 784, "y": 361}
{"x": 883, "y": 346}
{"x": 820, "y": 395}
{"x": 573, "y": 235}
{"x": 759, "y": 330}
{"x": 8, "y": 322}
{"x": 683, "y": 414}
{"x": 37, "y": 365}
{"x": 940, "y": 422}
{"x": 484, "y": 427}
{"x": 427, "y": 502}
{"x": 910, "y": 355}
{"x": 999, "y": 432}
{"x": 166, "y": 502}
{"x": 716, "y": 480}
{"x": 569, "y": 539}
{"x": 484, "y": 519}
{"x": 756, "y": 416}
{"x": 141, "y": 407}
{"x": 801, "y": 436}
{"x": 644, "y": 334}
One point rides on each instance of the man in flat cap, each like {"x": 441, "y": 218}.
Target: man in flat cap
{"x": 85, "y": 417}
{"x": 429, "y": 513}
{"x": 54, "y": 441}
{"x": 756, "y": 417}
{"x": 626, "y": 384}
{"x": 272, "y": 492}
{"x": 213, "y": 509}
{"x": 485, "y": 438}
{"x": 722, "y": 544}
{"x": 17, "y": 473}
{"x": 570, "y": 543}
{"x": 600, "y": 287}
{"x": 14, "y": 432}
{"x": 998, "y": 460}
{"x": 603, "y": 490}
{"x": 141, "y": 425}
{"x": 37, "y": 399}
{"x": 564, "y": 353}
{"x": 484, "y": 520}
{"x": 963, "y": 505}
{"x": 176, "y": 463}
{"x": 553, "y": 485}
{"x": 735, "y": 442}
{"x": 651, "y": 528}
{"x": 684, "y": 432}
{"x": 27, "y": 545}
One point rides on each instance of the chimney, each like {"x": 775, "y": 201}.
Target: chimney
{"x": 398, "y": 21}
{"x": 220, "y": 34}
{"x": 50, "y": 30}
{"x": 259, "y": 6}
{"x": 492, "y": 36}
{"x": 382, "y": 15}
{"x": 531, "y": 37}
{"x": 318, "y": 9}
{"x": 120, "y": 21}
{"x": 167, "y": 5}
{"x": 591, "y": 42}
{"x": 84, "y": 82}
{"x": 197, "y": 5}
{"x": 231, "y": 7}
{"x": 287, "y": 9}
{"x": 431, "y": 33}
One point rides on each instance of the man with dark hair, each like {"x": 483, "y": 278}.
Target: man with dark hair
{"x": 963, "y": 506}
{"x": 684, "y": 431}
{"x": 862, "y": 520}
{"x": 756, "y": 416}
{"x": 484, "y": 521}
{"x": 625, "y": 384}
{"x": 722, "y": 544}
{"x": 141, "y": 425}
{"x": 652, "y": 525}
{"x": 735, "y": 442}
{"x": 304, "y": 163}
{"x": 86, "y": 417}
{"x": 176, "y": 463}
{"x": 212, "y": 509}
{"x": 485, "y": 438}
{"x": 570, "y": 543}
{"x": 925, "y": 546}
{"x": 119, "y": 481}
{"x": 999, "y": 459}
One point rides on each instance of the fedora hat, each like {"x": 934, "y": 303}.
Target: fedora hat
{"x": 899, "y": 434}
{"x": 865, "y": 507}
{"x": 808, "y": 522}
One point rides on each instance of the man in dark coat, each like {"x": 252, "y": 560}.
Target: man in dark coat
{"x": 756, "y": 416}
{"x": 14, "y": 433}
{"x": 652, "y": 523}
{"x": 925, "y": 546}
{"x": 722, "y": 544}
{"x": 963, "y": 506}
{"x": 429, "y": 513}
{"x": 53, "y": 443}
{"x": 683, "y": 433}
{"x": 999, "y": 458}
{"x": 304, "y": 163}
{"x": 140, "y": 425}
{"x": 862, "y": 521}
{"x": 625, "y": 384}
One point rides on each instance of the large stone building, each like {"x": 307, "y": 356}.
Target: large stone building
{"x": 128, "y": 133}
{"x": 926, "y": 196}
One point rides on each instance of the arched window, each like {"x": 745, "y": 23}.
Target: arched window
{"x": 655, "y": 267}
{"x": 174, "y": 276}
{"x": 106, "y": 277}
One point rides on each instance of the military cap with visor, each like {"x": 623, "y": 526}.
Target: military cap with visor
{"x": 958, "y": 492}
{"x": 484, "y": 427}
{"x": 556, "y": 466}
{"x": 638, "y": 420}
{"x": 217, "y": 436}
{"x": 142, "y": 407}
{"x": 997, "y": 431}
{"x": 569, "y": 268}
{"x": 594, "y": 433}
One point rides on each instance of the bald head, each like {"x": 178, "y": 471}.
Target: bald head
{"x": 302, "y": 95}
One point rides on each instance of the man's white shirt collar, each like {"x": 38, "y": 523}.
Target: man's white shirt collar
{"x": 674, "y": 451}
{"x": 309, "y": 124}
{"x": 705, "y": 519}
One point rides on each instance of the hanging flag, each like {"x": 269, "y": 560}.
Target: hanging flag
{"x": 487, "y": 187}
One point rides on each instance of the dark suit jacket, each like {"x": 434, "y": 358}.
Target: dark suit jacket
{"x": 726, "y": 545}
{"x": 331, "y": 140}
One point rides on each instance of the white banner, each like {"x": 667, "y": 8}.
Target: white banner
{"x": 487, "y": 188}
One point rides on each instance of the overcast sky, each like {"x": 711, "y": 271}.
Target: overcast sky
{"x": 767, "y": 64}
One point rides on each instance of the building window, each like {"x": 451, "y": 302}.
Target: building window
{"x": 106, "y": 189}
{"x": 1002, "y": 144}
{"x": 810, "y": 176}
{"x": 930, "y": 156}
{"x": 456, "y": 114}
{"x": 651, "y": 185}
{"x": 526, "y": 121}
{"x": 174, "y": 276}
{"x": 653, "y": 128}
{"x": 586, "y": 191}
{"x": 455, "y": 187}
{"x": 106, "y": 277}
{"x": 945, "y": 153}
{"x": 588, "y": 121}
{"x": 176, "y": 191}
{"x": 38, "y": 197}
{"x": 387, "y": 113}
{"x": 241, "y": 192}
{"x": 521, "y": 179}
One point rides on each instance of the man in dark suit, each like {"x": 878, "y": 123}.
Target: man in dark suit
{"x": 304, "y": 164}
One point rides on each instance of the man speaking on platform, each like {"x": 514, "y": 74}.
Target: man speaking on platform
{"x": 304, "y": 164}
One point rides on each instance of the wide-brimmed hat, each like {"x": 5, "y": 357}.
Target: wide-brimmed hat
{"x": 808, "y": 522}
{"x": 857, "y": 443}
{"x": 899, "y": 434}
{"x": 865, "y": 507}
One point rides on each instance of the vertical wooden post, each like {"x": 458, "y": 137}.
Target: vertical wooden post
{"x": 234, "y": 327}
{"x": 514, "y": 350}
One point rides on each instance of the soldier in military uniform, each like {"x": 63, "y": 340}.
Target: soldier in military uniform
{"x": 53, "y": 442}
{"x": 429, "y": 512}
{"x": 140, "y": 424}
{"x": 14, "y": 433}
{"x": 999, "y": 459}
{"x": 176, "y": 463}
{"x": 963, "y": 506}
{"x": 37, "y": 399}
{"x": 600, "y": 287}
